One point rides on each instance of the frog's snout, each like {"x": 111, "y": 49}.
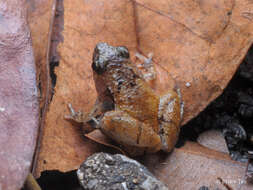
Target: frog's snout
{"x": 104, "y": 54}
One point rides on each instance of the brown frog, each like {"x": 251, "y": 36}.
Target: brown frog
{"x": 127, "y": 109}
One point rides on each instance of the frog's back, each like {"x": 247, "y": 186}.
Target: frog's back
{"x": 114, "y": 71}
{"x": 133, "y": 95}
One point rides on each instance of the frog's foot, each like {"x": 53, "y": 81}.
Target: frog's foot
{"x": 147, "y": 65}
{"x": 77, "y": 117}
{"x": 87, "y": 122}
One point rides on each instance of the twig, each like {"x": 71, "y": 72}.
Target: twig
{"x": 31, "y": 183}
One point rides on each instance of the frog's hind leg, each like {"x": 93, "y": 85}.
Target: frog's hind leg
{"x": 169, "y": 117}
{"x": 127, "y": 130}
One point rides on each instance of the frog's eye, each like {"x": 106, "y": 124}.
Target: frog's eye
{"x": 99, "y": 66}
{"x": 123, "y": 52}
{"x": 99, "y": 60}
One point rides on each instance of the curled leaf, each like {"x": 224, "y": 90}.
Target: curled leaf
{"x": 19, "y": 108}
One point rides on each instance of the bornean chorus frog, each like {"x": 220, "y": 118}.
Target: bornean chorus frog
{"x": 127, "y": 109}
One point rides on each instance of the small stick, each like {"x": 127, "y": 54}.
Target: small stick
{"x": 31, "y": 183}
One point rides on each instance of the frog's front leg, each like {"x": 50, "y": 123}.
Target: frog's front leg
{"x": 169, "y": 116}
{"x": 76, "y": 116}
{"x": 127, "y": 130}
{"x": 89, "y": 121}
{"x": 149, "y": 72}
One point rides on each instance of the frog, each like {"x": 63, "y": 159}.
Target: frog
{"x": 127, "y": 109}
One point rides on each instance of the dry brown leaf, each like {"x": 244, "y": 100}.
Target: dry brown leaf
{"x": 213, "y": 139}
{"x": 193, "y": 166}
{"x": 19, "y": 108}
{"x": 197, "y": 46}
{"x": 63, "y": 146}
{"x": 98, "y": 137}
{"x": 200, "y": 43}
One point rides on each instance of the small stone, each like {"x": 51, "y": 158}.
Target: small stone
{"x": 203, "y": 188}
{"x": 92, "y": 183}
{"x": 109, "y": 160}
{"x": 135, "y": 181}
{"x": 116, "y": 172}
{"x": 187, "y": 84}
{"x": 2, "y": 109}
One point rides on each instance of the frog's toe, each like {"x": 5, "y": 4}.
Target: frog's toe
{"x": 147, "y": 63}
{"x": 75, "y": 116}
{"x": 71, "y": 109}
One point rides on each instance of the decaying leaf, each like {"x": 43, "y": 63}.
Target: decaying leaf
{"x": 19, "y": 108}
{"x": 194, "y": 166}
{"x": 213, "y": 139}
{"x": 197, "y": 47}
{"x": 199, "y": 43}
{"x": 63, "y": 146}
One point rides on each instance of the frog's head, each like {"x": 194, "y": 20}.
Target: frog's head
{"x": 105, "y": 54}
